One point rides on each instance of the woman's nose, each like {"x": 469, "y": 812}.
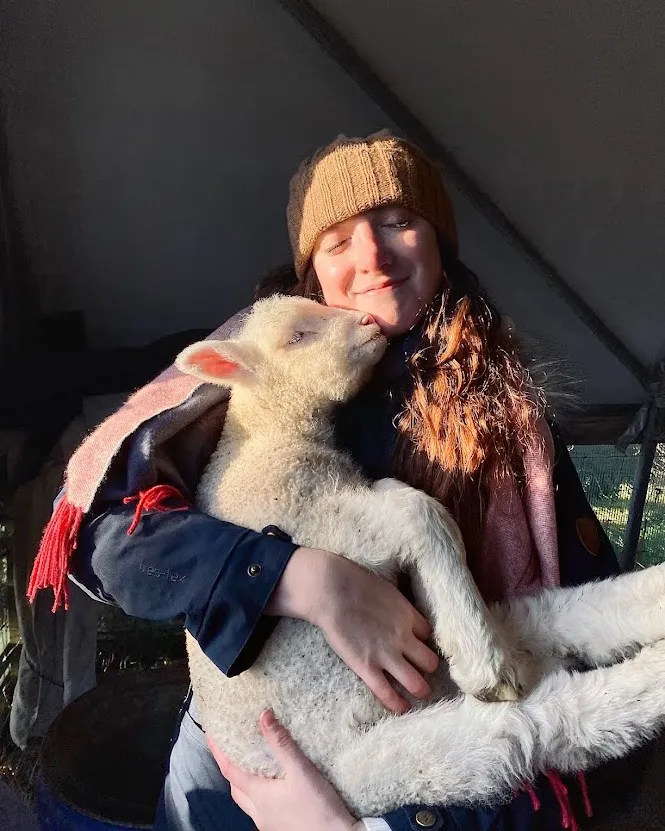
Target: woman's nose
{"x": 371, "y": 254}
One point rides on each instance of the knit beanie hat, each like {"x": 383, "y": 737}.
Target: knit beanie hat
{"x": 353, "y": 175}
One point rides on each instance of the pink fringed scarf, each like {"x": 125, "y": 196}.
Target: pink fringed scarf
{"x": 519, "y": 548}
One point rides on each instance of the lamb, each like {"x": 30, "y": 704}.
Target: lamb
{"x": 276, "y": 464}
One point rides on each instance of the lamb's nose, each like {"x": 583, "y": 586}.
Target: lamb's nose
{"x": 366, "y": 319}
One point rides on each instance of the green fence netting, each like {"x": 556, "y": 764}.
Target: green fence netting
{"x": 607, "y": 476}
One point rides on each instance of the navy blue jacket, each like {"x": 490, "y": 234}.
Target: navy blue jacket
{"x": 187, "y": 563}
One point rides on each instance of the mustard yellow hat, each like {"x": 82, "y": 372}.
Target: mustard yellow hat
{"x": 352, "y": 175}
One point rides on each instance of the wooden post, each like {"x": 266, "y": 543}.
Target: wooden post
{"x": 638, "y": 497}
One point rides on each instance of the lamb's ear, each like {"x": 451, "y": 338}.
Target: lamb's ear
{"x": 224, "y": 362}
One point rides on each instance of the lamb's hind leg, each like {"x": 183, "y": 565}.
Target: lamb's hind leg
{"x": 596, "y": 622}
{"x": 583, "y": 719}
{"x": 466, "y": 751}
{"x": 450, "y": 753}
{"x": 428, "y": 544}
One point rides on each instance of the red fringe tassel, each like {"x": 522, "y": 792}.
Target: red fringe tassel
{"x": 61, "y": 534}
{"x": 568, "y": 819}
{"x": 535, "y": 802}
{"x": 52, "y": 561}
{"x": 153, "y": 500}
{"x": 584, "y": 788}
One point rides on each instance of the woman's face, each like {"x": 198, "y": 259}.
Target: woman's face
{"x": 384, "y": 261}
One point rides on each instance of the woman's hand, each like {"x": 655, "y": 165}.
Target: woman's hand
{"x": 302, "y": 801}
{"x": 365, "y": 619}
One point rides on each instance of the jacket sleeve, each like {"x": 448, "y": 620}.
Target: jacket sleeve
{"x": 183, "y": 562}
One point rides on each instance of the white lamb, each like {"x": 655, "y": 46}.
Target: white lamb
{"x": 291, "y": 364}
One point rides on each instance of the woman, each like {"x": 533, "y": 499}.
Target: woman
{"x": 450, "y": 410}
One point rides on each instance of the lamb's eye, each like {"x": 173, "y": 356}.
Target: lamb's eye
{"x": 296, "y": 337}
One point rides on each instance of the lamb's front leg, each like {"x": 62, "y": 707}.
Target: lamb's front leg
{"x": 596, "y": 622}
{"x": 423, "y": 539}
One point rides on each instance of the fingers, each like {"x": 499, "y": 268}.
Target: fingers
{"x": 410, "y": 679}
{"x": 421, "y": 626}
{"x": 283, "y": 745}
{"x": 421, "y": 656}
{"x": 279, "y": 738}
{"x": 281, "y": 741}
{"x": 382, "y": 689}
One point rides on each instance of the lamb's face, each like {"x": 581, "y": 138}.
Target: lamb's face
{"x": 291, "y": 349}
{"x": 322, "y": 353}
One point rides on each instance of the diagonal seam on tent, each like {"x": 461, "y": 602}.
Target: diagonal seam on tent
{"x": 320, "y": 28}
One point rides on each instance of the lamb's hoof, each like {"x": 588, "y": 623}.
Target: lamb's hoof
{"x": 505, "y": 690}
{"x": 505, "y": 684}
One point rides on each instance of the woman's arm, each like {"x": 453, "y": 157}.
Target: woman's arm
{"x": 230, "y": 582}
{"x": 184, "y": 562}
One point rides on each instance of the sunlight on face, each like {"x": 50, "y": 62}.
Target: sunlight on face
{"x": 384, "y": 261}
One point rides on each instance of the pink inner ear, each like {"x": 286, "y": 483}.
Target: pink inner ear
{"x": 208, "y": 360}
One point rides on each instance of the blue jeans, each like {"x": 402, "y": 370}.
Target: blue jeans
{"x": 195, "y": 796}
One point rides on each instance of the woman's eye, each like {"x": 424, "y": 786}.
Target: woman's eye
{"x": 334, "y": 247}
{"x": 404, "y": 223}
